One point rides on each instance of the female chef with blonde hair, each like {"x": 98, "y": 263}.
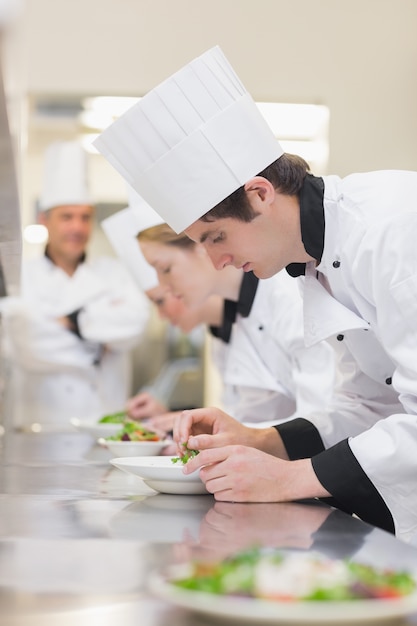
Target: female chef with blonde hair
{"x": 268, "y": 373}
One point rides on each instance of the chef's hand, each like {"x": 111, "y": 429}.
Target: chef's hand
{"x": 144, "y": 405}
{"x": 201, "y": 429}
{"x": 242, "y": 474}
{"x": 65, "y": 322}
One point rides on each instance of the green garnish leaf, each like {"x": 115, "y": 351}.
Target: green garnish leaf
{"x": 188, "y": 454}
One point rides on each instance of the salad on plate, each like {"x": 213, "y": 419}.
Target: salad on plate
{"x": 293, "y": 577}
{"x": 272, "y": 586}
{"x": 134, "y": 431}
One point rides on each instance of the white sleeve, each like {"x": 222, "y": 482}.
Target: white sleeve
{"x": 385, "y": 445}
{"x": 118, "y": 314}
{"x": 388, "y": 451}
{"x": 39, "y": 343}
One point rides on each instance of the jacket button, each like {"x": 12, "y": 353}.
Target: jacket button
{"x": 340, "y": 337}
{"x": 260, "y": 327}
{"x": 388, "y": 381}
{"x": 336, "y": 264}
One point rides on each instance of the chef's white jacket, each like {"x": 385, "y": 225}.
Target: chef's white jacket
{"x": 55, "y": 374}
{"x": 363, "y": 295}
{"x": 268, "y": 372}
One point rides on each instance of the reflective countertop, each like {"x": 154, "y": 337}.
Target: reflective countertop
{"x": 80, "y": 538}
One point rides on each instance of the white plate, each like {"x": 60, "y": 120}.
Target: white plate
{"x": 241, "y": 610}
{"x": 94, "y": 428}
{"x": 134, "y": 448}
{"x": 161, "y": 474}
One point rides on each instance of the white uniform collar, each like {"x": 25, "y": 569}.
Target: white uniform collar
{"x": 324, "y": 316}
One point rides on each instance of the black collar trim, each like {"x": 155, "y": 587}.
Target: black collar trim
{"x": 247, "y": 293}
{"x": 312, "y": 221}
{"x": 224, "y": 331}
{"x": 243, "y": 306}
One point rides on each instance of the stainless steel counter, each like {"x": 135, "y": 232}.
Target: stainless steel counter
{"x": 78, "y": 538}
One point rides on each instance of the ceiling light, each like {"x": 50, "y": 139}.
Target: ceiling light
{"x": 100, "y": 112}
{"x": 295, "y": 121}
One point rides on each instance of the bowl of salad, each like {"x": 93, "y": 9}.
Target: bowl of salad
{"x": 134, "y": 439}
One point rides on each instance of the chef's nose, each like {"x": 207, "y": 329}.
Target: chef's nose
{"x": 220, "y": 260}
{"x": 80, "y": 224}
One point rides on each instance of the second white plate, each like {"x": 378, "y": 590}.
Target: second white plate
{"x": 95, "y": 428}
{"x": 134, "y": 448}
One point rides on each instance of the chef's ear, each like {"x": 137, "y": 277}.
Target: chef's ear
{"x": 42, "y": 217}
{"x": 259, "y": 191}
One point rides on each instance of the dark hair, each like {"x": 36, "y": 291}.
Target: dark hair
{"x": 287, "y": 175}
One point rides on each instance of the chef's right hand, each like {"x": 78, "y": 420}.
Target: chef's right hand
{"x": 144, "y": 405}
{"x": 209, "y": 428}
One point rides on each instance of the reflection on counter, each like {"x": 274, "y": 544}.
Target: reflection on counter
{"x": 79, "y": 539}
{"x": 164, "y": 518}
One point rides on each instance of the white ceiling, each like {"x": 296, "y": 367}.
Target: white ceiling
{"x": 357, "y": 57}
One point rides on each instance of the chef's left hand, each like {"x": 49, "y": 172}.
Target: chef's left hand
{"x": 242, "y": 474}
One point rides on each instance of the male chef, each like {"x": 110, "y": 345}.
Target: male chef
{"x": 68, "y": 336}
{"x": 216, "y": 171}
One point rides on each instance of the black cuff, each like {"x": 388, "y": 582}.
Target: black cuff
{"x": 340, "y": 473}
{"x": 73, "y": 318}
{"x": 301, "y": 438}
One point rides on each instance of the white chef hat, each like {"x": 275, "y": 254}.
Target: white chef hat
{"x": 65, "y": 176}
{"x": 191, "y": 141}
{"x": 145, "y": 216}
{"x": 122, "y": 228}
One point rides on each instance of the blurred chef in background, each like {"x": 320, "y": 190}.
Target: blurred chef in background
{"x": 69, "y": 335}
{"x": 121, "y": 228}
